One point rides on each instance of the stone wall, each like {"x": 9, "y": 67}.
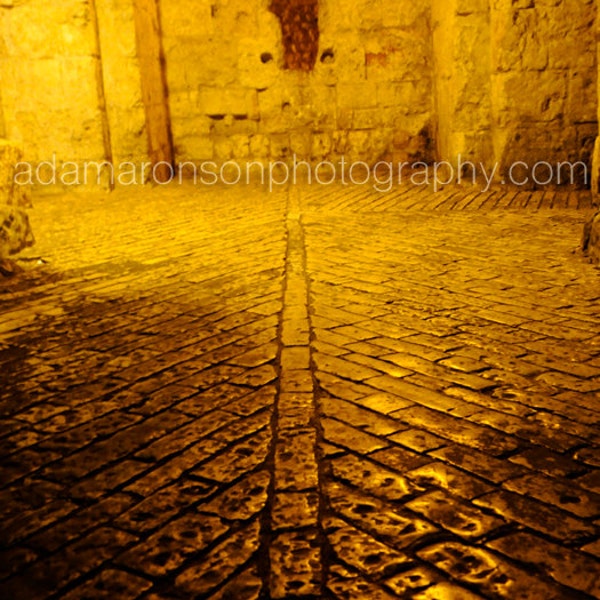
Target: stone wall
{"x": 516, "y": 80}
{"x": 70, "y": 80}
{"x": 490, "y": 80}
{"x": 544, "y": 73}
{"x": 368, "y": 96}
{"x": 48, "y": 78}
{"x": 121, "y": 83}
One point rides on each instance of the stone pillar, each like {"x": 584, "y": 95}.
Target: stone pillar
{"x": 461, "y": 43}
{"x": 122, "y": 82}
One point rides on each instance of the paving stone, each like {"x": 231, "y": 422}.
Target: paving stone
{"x": 398, "y": 529}
{"x": 344, "y": 584}
{"x": 46, "y": 577}
{"x": 571, "y": 568}
{"x": 593, "y": 548}
{"x": 110, "y": 584}
{"x": 336, "y": 432}
{"x": 241, "y": 458}
{"x": 241, "y": 428}
{"x": 494, "y": 576}
{"x": 80, "y": 522}
{"x": 296, "y": 380}
{"x": 295, "y": 410}
{"x": 295, "y": 462}
{"x": 242, "y": 501}
{"x": 350, "y": 412}
{"x": 248, "y": 585}
{"x": 15, "y": 559}
{"x": 590, "y": 481}
{"x": 410, "y": 582}
{"x": 399, "y": 459}
{"x": 363, "y": 552}
{"x": 420, "y": 365}
{"x": 417, "y": 394}
{"x": 446, "y": 591}
{"x": 540, "y": 517}
{"x": 564, "y": 494}
{"x": 343, "y": 368}
{"x": 108, "y": 480}
{"x": 295, "y": 564}
{"x": 545, "y": 436}
{"x": 455, "y": 515}
{"x": 418, "y": 440}
{"x": 254, "y": 402}
{"x": 385, "y": 403}
{"x": 461, "y": 431}
{"x": 295, "y": 509}
{"x": 25, "y": 524}
{"x": 453, "y": 480}
{"x": 231, "y": 355}
{"x": 220, "y": 563}
{"x": 479, "y": 463}
{"x": 159, "y": 507}
{"x": 341, "y": 388}
{"x": 295, "y": 358}
{"x": 168, "y": 548}
{"x": 373, "y": 478}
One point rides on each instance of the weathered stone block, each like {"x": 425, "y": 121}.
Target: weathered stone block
{"x": 352, "y": 95}
{"x": 259, "y": 146}
{"x": 228, "y": 101}
{"x": 259, "y": 62}
{"x": 591, "y": 239}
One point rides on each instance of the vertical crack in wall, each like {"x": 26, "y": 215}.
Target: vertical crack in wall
{"x": 300, "y": 32}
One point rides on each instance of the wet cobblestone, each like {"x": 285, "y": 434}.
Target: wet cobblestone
{"x": 310, "y": 393}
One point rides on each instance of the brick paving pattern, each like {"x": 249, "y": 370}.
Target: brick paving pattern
{"x": 311, "y": 393}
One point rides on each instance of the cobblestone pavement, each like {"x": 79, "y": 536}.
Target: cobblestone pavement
{"x": 311, "y": 393}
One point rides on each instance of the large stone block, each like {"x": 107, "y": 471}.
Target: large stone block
{"x": 591, "y": 239}
{"x": 357, "y": 95}
{"x": 259, "y": 62}
{"x": 228, "y": 101}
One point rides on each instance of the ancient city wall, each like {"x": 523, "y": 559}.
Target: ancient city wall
{"x": 489, "y": 80}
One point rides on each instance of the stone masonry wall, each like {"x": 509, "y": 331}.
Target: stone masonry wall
{"x": 544, "y": 72}
{"x": 70, "y": 80}
{"x": 48, "y": 78}
{"x": 369, "y": 95}
{"x": 515, "y": 81}
{"x": 491, "y": 80}
{"x": 121, "y": 80}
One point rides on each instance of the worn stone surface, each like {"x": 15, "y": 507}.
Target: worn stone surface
{"x": 311, "y": 393}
